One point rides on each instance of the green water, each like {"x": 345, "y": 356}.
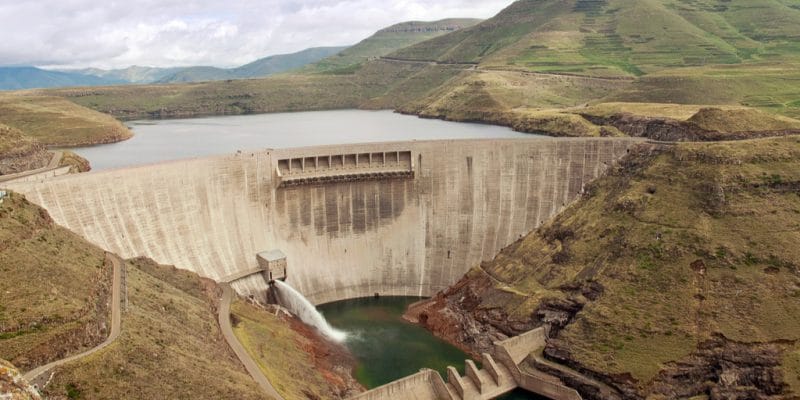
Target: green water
{"x": 388, "y": 348}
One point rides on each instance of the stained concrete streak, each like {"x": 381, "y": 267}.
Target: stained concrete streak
{"x": 414, "y": 236}
{"x": 41, "y": 375}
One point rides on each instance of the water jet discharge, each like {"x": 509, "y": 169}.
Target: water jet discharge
{"x": 396, "y": 219}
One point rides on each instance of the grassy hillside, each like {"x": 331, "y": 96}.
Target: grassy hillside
{"x": 621, "y": 37}
{"x": 54, "y": 121}
{"x": 682, "y": 260}
{"x": 54, "y": 288}
{"x": 54, "y": 302}
{"x": 294, "y": 371}
{"x": 170, "y": 345}
{"x": 388, "y": 40}
{"x": 711, "y": 52}
{"x": 285, "y": 62}
{"x": 768, "y": 86}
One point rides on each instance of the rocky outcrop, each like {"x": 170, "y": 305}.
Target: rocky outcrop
{"x": 597, "y": 278}
{"x": 725, "y": 369}
{"x": 75, "y": 162}
{"x": 457, "y": 315}
{"x": 19, "y": 153}
{"x": 673, "y": 130}
{"x": 720, "y": 368}
{"x": 13, "y": 385}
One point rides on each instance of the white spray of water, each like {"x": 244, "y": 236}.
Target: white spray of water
{"x": 303, "y": 309}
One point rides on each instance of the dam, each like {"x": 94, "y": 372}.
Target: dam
{"x": 388, "y": 219}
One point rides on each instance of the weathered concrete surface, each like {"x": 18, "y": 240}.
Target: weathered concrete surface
{"x": 465, "y": 200}
{"x": 420, "y": 386}
{"x": 512, "y": 351}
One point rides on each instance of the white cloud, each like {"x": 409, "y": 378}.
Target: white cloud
{"x": 114, "y": 34}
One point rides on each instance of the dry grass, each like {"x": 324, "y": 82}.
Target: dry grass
{"x": 280, "y": 353}
{"x": 681, "y": 112}
{"x": 791, "y": 369}
{"x": 14, "y": 143}
{"x": 52, "y": 282}
{"x": 741, "y": 120}
{"x": 170, "y": 346}
{"x": 55, "y": 121}
{"x": 732, "y": 205}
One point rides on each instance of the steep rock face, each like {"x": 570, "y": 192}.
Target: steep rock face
{"x": 13, "y": 385}
{"x": 675, "y": 276}
{"x": 75, "y": 163}
{"x": 720, "y": 369}
{"x": 458, "y": 316}
{"x": 672, "y": 130}
{"x": 18, "y": 153}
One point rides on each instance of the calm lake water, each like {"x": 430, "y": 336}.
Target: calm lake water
{"x": 163, "y": 140}
{"x": 389, "y": 348}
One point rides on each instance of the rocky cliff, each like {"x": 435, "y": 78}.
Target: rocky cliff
{"x": 13, "y": 386}
{"x": 675, "y": 276}
{"x": 19, "y": 153}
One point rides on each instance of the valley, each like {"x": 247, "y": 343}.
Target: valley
{"x": 625, "y": 230}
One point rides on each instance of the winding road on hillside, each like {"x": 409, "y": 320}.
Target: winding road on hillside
{"x": 227, "y": 331}
{"x": 40, "y": 376}
{"x": 55, "y": 160}
{"x": 476, "y": 67}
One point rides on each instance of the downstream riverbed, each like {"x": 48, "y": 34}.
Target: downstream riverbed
{"x": 387, "y": 347}
{"x": 164, "y": 140}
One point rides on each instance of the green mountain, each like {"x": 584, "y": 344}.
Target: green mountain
{"x": 133, "y": 74}
{"x": 197, "y": 74}
{"x": 390, "y": 39}
{"x": 257, "y": 69}
{"x": 622, "y": 37}
{"x": 286, "y": 62}
{"x": 16, "y": 78}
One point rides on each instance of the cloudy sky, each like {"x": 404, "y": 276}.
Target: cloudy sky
{"x": 119, "y": 33}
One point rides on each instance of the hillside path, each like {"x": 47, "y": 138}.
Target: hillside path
{"x": 40, "y": 377}
{"x": 476, "y": 67}
{"x": 57, "y": 155}
{"x": 227, "y": 331}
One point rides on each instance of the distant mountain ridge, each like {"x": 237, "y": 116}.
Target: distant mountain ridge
{"x": 27, "y": 77}
{"x": 17, "y": 78}
{"x": 132, "y": 74}
{"x": 260, "y": 68}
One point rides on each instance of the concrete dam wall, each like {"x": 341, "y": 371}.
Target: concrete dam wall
{"x": 405, "y": 218}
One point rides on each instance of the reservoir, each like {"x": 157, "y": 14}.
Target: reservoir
{"x": 385, "y": 346}
{"x": 164, "y": 140}
{"x": 388, "y": 348}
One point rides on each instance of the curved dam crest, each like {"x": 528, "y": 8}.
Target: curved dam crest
{"x": 401, "y": 218}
